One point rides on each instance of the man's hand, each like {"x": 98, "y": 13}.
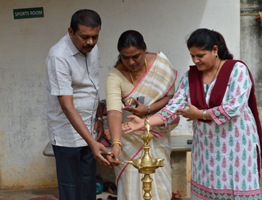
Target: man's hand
{"x": 97, "y": 148}
{"x": 99, "y": 129}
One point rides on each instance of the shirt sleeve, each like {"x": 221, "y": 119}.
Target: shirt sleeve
{"x": 113, "y": 93}
{"x": 237, "y": 95}
{"x": 168, "y": 113}
{"x": 59, "y": 77}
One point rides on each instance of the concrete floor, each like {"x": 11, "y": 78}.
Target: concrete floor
{"x": 40, "y": 194}
{"x": 37, "y": 194}
{"x": 43, "y": 194}
{"x": 34, "y": 194}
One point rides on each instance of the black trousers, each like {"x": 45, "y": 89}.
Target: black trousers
{"x": 76, "y": 173}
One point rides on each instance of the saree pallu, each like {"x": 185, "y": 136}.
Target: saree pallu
{"x": 155, "y": 84}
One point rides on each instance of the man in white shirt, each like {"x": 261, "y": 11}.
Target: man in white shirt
{"x": 73, "y": 112}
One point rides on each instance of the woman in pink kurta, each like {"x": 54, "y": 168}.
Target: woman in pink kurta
{"x": 219, "y": 94}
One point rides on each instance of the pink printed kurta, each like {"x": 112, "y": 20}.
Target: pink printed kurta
{"x": 224, "y": 151}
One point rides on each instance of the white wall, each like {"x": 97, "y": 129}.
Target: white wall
{"x": 24, "y": 44}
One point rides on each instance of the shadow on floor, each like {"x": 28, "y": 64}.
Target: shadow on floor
{"x": 34, "y": 194}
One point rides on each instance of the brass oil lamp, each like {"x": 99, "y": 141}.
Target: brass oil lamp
{"x": 145, "y": 164}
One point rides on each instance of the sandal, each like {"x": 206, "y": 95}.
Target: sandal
{"x": 111, "y": 198}
{"x": 110, "y": 187}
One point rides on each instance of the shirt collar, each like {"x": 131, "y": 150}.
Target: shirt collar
{"x": 71, "y": 46}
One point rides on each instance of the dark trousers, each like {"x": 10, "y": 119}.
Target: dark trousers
{"x": 76, "y": 173}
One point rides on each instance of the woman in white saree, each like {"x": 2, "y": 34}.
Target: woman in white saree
{"x": 149, "y": 79}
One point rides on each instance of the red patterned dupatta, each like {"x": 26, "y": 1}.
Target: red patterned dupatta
{"x": 197, "y": 93}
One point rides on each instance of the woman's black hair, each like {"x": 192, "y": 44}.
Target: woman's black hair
{"x": 130, "y": 38}
{"x": 206, "y": 39}
{"x": 85, "y": 17}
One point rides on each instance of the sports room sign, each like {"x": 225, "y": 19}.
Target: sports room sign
{"x": 24, "y": 13}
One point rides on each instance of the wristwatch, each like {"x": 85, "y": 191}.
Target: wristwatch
{"x": 148, "y": 110}
{"x": 100, "y": 118}
{"x": 204, "y": 114}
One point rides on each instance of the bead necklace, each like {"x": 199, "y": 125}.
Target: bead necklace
{"x": 138, "y": 75}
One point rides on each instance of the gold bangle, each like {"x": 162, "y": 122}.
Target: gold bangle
{"x": 116, "y": 140}
{"x": 117, "y": 143}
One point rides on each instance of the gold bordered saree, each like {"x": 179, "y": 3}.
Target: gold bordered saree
{"x": 158, "y": 81}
